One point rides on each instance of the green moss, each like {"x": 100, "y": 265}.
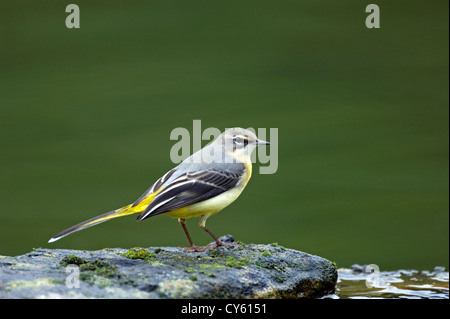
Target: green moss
{"x": 98, "y": 272}
{"x": 139, "y": 253}
{"x": 91, "y": 271}
{"x": 278, "y": 246}
{"x": 206, "y": 273}
{"x": 100, "y": 267}
{"x": 216, "y": 253}
{"x": 190, "y": 269}
{"x": 232, "y": 262}
{"x": 56, "y": 281}
{"x": 205, "y": 269}
{"x": 264, "y": 264}
{"x": 267, "y": 264}
{"x": 72, "y": 260}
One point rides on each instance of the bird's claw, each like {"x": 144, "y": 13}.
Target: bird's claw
{"x": 208, "y": 247}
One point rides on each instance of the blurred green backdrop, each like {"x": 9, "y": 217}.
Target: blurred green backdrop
{"x": 362, "y": 114}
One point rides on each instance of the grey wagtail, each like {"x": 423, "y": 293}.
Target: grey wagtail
{"x": 200, "y": 186}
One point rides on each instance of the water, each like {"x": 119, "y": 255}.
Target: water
{"x": 355, "y": 283}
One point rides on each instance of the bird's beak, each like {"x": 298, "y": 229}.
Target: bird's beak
{"x": 261, "y": 142}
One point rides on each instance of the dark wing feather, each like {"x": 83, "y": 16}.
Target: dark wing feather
{"x": 189, "y": 189}
{"x": 155, "y": 186}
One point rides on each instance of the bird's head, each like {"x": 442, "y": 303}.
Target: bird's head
{"x": 240, "y": 141}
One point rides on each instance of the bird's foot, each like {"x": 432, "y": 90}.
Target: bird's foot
{"x": 196, "y": 248}
{"x": 220, "y": 243}
{"x": 208, "y": 247}
{"x": 226, "y": 240}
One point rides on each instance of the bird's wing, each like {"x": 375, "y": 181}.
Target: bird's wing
{"x": 154, "y": 188}
{"x": 190, "y": 188}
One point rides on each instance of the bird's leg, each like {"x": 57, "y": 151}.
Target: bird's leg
{"x": 192, "y": 247}
{"x": 202, "y": 224}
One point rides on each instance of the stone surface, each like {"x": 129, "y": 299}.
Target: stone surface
{"x": 237, "y": 271}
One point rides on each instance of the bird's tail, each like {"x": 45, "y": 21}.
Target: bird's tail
{"x": 126, "y": 210}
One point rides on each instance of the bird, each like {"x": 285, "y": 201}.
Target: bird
{"x": 200, "y": 186}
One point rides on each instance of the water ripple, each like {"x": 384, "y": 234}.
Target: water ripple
{"x": 360, "y": 282}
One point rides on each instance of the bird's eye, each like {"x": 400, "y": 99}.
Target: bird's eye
{"x": 240, "y": 140}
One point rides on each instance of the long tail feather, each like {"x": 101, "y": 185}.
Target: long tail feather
{"x": 127, "y": 210}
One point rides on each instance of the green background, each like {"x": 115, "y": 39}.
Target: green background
{"x": 362, "y": 117}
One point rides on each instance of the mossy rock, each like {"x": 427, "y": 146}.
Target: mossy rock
{"x": 235, "y": 271}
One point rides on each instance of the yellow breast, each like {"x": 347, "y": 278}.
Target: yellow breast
{"x": 216, "y": 204}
